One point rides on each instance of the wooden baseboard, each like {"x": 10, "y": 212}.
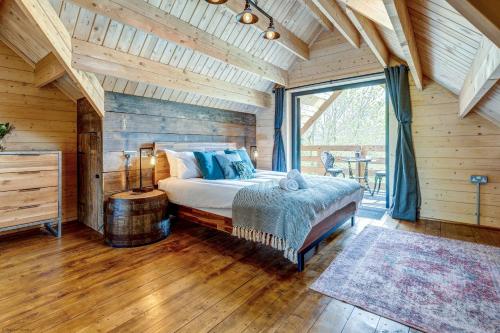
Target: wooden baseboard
{"x": 459, "y": 223}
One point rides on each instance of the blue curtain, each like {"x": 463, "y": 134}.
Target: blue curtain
{"x": 406, "y": 191}
{"x": 279, "y": 161}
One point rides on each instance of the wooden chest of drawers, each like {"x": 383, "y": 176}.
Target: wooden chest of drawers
{"x": 30, "y": 190}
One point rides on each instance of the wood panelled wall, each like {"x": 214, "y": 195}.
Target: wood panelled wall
{"x": 90, "y": 165}
{"x": 333, "y": 58}
{"x": 449, "y": 150}
{"x": 265, "y": 137}
{"x": 132, "y": 122}
{"x": 45, "y": 119}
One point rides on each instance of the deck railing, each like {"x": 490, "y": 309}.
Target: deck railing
{"x": 311, "y": 158}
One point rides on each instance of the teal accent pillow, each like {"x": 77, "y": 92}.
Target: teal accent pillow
{"x": 226, "y": 164}
{"x": 243, "y": 154}
{"x": 243, "y": 170}
{"x": 209, "y": 167}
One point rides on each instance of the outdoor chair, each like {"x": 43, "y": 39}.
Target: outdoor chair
{"x": 379, "y": 175}
{"x": 328, "y": 161}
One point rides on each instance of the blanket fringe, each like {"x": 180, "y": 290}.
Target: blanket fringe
{"x": 267, "y": 239}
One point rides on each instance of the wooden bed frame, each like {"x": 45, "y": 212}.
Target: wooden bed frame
{"x": 317, "y": 234}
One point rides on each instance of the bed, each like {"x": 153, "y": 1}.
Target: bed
{"x": 209, "y": 202}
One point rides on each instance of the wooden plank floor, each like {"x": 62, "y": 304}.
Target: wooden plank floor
{"x": 197, "y": 280}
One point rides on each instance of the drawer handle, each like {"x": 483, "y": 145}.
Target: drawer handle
{"x": 29, "y": 206}
{"x": 30, "y": 189}
{"x": 29, "y": 172}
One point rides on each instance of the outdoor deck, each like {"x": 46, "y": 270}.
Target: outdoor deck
{"x": 371, "y": 206}
{"x": 374, "y": 206}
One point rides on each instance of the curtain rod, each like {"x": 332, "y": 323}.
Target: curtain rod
{"x": 354, "y": 79}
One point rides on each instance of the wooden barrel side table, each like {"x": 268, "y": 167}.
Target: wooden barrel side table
{"x": 134, "y": 219}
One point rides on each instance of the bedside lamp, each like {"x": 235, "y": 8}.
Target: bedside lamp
{"x": 152, "y": 160}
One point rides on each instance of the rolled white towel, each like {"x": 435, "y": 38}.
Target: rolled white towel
{"x": 297, "y": 176}
{"x": 289, "y": 184}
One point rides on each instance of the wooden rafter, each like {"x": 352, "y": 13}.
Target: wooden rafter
{"x": 102, "y": 60}
{"x": 148, "y": 18}
{"x": 326, "y": 104}
{"x": 336, "y": 15}
{"x": 372, "y": 9}
{"x": 41, "y": 14}
{"x": 318, "y": 14}
{"x": 482, "y": 76}
{"x": 66, "y": 85}
{"x": 48, "y": 70}
{"x": 371, "y": 36}
{"x": 483, "y": 14}
{"x": 400, "y": 19}
{"x": 287, "y": 39}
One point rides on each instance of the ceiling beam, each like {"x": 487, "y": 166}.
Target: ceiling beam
{"x": 146, "y": 17}
{"x": 318, "y": 14}
{"x": 401, "y": 21}
{"x": 287, "y": 38}
{"x": 66, "y": 85}
{"x": 371, "y": 36}
{"x": 326, "y": 104}
{"x": 482, "y": 14}
{"x": 372, "y": 9}
{"x": 48, "y": 70}
{"x": 336, "y": 15}
{"x": 482, "y": 76}
{"x": 41, "y": 14}
{"x": 102, "y": 60}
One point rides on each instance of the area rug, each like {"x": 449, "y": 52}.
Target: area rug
{"x": 429, "y": 283}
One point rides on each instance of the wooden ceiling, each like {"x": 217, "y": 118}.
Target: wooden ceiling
{"x": 445, "y": 44}
{"x": 192, "y": 52}
{"x": 218, "y": 21}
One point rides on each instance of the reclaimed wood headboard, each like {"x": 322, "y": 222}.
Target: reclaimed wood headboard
{"x": 162, "y": 169}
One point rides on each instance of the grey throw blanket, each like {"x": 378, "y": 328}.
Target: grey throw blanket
{"x": 267, "y": 214}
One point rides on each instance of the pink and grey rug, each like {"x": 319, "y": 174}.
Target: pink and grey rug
{"x": 430, "y": 283}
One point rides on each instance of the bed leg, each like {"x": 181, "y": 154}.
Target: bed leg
{"x": 300, "y": 262}
{"x": 353, "y": 219}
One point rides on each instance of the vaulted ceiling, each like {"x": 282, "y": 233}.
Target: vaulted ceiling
{"x": 192, "y": 52}
{"x": 218, "y": 21}
{"x": 450, "y": 50}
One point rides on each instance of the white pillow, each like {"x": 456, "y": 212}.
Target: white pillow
{"x": 187, "y": 166}
{"x": 172, "y": 162}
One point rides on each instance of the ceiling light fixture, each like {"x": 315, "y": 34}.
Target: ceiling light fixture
{"x": 246, "y": 16}
{"x": 271, "y": 32}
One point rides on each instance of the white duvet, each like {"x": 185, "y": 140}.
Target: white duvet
{"x": 216, "y": 196}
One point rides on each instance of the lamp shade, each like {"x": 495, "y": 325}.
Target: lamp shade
{"x": 271, "y": 32}
{"x": 247, "y": 16}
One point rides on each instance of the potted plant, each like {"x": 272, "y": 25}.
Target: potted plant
{"x": 5, "y": 129}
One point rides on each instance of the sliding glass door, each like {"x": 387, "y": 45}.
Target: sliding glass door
{"x": 341, "y": 131}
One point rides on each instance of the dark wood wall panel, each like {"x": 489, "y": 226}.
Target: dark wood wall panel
{"x": 132, "y": 122}
{"x": 90, "y": 183}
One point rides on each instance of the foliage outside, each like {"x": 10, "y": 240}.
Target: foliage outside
{"x": 357, "y": 116}
{"x": 5, "y": 129}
